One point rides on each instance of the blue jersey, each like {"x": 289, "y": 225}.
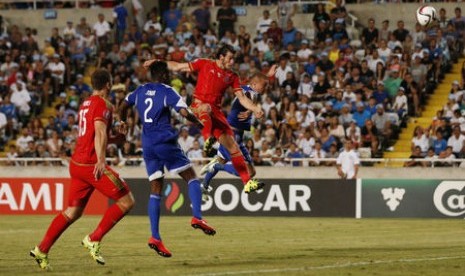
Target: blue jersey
{"x": 154, "y": 102}
{"x": 237, "y": 108}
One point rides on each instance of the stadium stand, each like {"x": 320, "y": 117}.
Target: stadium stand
{"x": 371, "y": 81}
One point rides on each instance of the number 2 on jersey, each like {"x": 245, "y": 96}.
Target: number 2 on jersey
{"x": 82, "y": 121}
{"x": 149, "y": 103}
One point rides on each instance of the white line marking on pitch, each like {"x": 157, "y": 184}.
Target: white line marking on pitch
{"x": 331, "y": 266}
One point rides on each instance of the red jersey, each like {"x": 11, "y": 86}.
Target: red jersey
{"x": 212, "y": 81}
{"x": 95, "y": 108}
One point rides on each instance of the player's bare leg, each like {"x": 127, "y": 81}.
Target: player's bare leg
{"x": 238, "y": 161}
{"x": 195, "y": 195}
{"x": 111, "y": 217}
{"x": 59, "y": 224}
{"x": 155, "y": 241}
{"x": 203, "y": 110}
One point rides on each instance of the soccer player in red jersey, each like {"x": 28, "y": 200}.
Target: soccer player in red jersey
{"x": 88, "y": 172}
{"x": 214, "y": 77}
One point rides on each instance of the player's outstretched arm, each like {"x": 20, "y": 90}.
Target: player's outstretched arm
{"x": 172, "y": 65}
{"x": 122, "y": 114}
{"x": 247, "y": 103}
{"x": 100, "y": 144}
{"x": 186, "y": 113}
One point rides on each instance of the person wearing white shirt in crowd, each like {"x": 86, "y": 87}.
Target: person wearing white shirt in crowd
{"x": 138, "y": 12}
{"x": 400, "y": 103}
{"x": 262, "y": 45}
{"x": 348, "y": 162}
{"x": 317, "y": 154}
{"x": 457, "y": 142}
{"x": 383, "y": 51}
{"x": 21, "y": 98}
{"x": 264, "y": 22}
{"x": 450, "y": 106}
{"x": 306, "y": 86}
{"x": 267, "y": 105}
{"x": 282, "y": 71}
{"x": 304, "y": 52}
{"x": 458, "y": 120}
{"x": 57, "y": 69}
{"x": 8, "y": 65}
{"x": 195, "y": 152}
{"x": 266, "y": 151}
{"x": 418, "y": 35}
{"x": 306, "y": 143}
{"x": 102, "y": 30}
{"x": 152, "y": 22}
{"x": 69, "y": 31}
{"x": 23, "y": 140}
{"x": 420, "y": 139}
{"x": 353, "y": 133}
{"x": 431, "y": 156}
{"x": 373, "y": 61}
{"x": 305, "y": 116}
{"x": 3, "y": 123}
{"x": 185, "y": 140}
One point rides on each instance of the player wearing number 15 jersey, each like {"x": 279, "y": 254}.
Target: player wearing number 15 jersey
{"x": 154, "y": 102}
{"x": 89, "y": 171}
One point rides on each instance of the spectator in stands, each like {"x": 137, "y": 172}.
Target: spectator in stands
{"x": 420, "y": 139}
{"x": 448, "y": 157}
{"x": 185, "y": 140}
{"x": 172, "y": 16}
{"x": 319, "y": 16}
{"x": 400, "y": 33}
{"x": 82, "y": 26}
{"x": 289, "y": 33}
{"x": 439, "y": 143}
{"x": 416, "y": 154}
{"x": 338, "y": 12}
{"x": 23, "y": 140}
{"x": 369, "y": 136}
{"x": 202, "y": 16}
{"x": 264, "y": 22}
{"x": 370, "y": 34}
{"x": 226, "y": 17}
{"x": 120, "y": 21}
{"x": 317, "y": 154}
{"x": 361, "y": 115}
{"x": 102, "y": 32}
{"x": 285, "y": 11}
{"x": 258, "y": 160}
{"x": 459, "y": 23}
{"x": 457, "y": 142}
{"x": 400, "y": 105}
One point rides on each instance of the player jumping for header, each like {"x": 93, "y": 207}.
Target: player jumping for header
{"x": 240, "y": 119}
{"x": 214, "y": 77}
{"x": 154, "y": 102}
{"x": 89, "y": 172}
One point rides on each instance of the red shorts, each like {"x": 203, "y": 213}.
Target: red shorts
{"x": 220, "y": 124}
{"x": 83, "y": 184}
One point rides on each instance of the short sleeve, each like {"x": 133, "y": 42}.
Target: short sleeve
{"x": 197, "y": 64}
{"x": 102, "y": 112}
{"x": 173, "y": 100}
{"x": 236, "y": 84}
{"x": 131, "y": 98}
{"x": 356, "y": 159}
{"x": 339, "y": 160}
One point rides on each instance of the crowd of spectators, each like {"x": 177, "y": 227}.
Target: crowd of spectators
{"x": 328, "y": 88}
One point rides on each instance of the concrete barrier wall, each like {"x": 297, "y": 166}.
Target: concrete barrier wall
{"x": 262, "y": 172}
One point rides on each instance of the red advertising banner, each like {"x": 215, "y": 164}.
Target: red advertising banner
{"x": 42, "y": 196}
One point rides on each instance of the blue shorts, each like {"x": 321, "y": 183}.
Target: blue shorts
{"x": 238, "y": 136}
{"x": 169, "y": 155}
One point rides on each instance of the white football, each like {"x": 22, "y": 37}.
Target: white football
{"x": 426, "y": 15}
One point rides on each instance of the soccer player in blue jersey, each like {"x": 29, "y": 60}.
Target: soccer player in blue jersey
{"x": 240, "y": 119}
{"x": 154, "y": 102}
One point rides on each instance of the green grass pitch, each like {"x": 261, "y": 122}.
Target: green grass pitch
{"x": 246, "y": 246}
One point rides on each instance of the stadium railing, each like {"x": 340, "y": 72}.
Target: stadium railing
{"x": 24, "y": 161}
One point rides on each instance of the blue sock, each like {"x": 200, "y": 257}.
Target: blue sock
{"x": 208, "y": 177}
{"x": 154, "y": 214}
{"x": 229, "y": 168}
{"x": 195, "y": 195}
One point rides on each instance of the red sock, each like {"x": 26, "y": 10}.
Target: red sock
{"x": 241, "y": 167}
{"x": 207, "y": 125}
{"x": 56, "y": 228}
{"x": 111, "y": 217}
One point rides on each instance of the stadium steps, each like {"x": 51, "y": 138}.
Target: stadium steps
{"x": 436, "y": 101}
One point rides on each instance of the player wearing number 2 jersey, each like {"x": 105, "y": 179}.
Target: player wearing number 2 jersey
{"x": 154, "y": 102}
{"x": 89, "y": 171}
{"x": 214, "y": 77}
